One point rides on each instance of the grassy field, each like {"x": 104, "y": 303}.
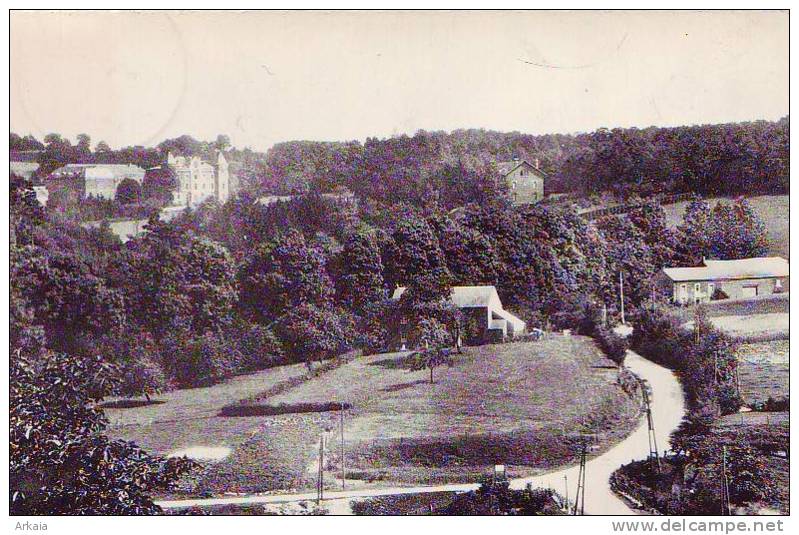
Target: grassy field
{"x": 519, "y": 404}
{"x": 763, "y": 370}
{"x": 773, "y": 209}
{"x": 188, "y": 418}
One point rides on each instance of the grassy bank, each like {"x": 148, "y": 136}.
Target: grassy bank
{"x": 519, "y": 404}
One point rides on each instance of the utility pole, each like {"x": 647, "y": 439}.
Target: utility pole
{"x": 653, "y": 445}
{"x": 579, "y": 497}
{"x": 320, "y": 481}
{"x": 725, "y": 491}
{"x": 621, "y": 293}
{"x": 341, "y": 427}
{"x": 566, "y": 486}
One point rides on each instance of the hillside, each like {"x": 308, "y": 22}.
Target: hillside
{"x": 520, "y": 404}
{"x": 772, "y": 209}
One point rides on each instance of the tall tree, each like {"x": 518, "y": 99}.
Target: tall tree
{"x": 360, "y": 277}
{"x": 61, "y": 463}
{"x": 283, "y": 274}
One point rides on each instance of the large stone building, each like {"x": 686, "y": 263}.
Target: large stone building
{"x": 199, "y": 180}
{"x": 93, "y": 180}
{"x": 524, "y": 180}
{"x": 733, "y": 279}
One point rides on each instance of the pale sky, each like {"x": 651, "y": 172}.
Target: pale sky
{"x": 264, "y": 77}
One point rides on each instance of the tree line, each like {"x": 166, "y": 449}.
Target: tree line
{"x": 460, "y": 167}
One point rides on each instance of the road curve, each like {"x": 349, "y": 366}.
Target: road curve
{"x": 668, "y": 408}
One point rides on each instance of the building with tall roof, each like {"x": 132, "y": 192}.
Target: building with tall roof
{"x": 198, "y": 180}
{"x": 525, "y": 181}
{"x": 485, "y": 318}
{"x": 735, "y": 279}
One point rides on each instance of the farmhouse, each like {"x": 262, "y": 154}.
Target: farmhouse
{"x": 93, "y": 180}
{"x": 485, "y": 319}
{"x": 735, "y": 279}
{"x": 525, "y": 181}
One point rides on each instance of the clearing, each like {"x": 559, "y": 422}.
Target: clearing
{"x": 519, "y": 404}
{"x": 752, "y": 327}
{"x": 187, "y": 421}
{"x": 772, "y": 209}
{"x": 763, "y": 370}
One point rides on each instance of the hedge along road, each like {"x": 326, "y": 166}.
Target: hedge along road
{"x": 668, "y": 408}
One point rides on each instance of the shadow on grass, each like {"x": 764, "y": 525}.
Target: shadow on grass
{"x": 403, "y": 386}
{"x": 242, "y": 410}
{"x": 396, "y": 363}
{"x": 130, "y": 403}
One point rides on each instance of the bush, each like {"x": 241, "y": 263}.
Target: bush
{"x": 258, "y": 347}
{"x": 612, "y": 345}
{"x": 200, "y": 361}
{"x": 265, "y": 409}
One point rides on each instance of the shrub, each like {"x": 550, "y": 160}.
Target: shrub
{"x": 199, "y": 361}
{"x": 257, "y": 346}
{"x": 612, "y": 345}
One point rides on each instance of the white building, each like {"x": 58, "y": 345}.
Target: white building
{"x": 726, "y": 279}
{"x": 491, "y": 322}
{"x": 199, "y": 180}
{"x": 97, "y": 180}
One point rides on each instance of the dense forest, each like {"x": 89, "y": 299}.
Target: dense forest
{"x": 460, "y": 167}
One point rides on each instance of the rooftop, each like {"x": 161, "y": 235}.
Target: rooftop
{"x": 506, "y": 167}
{"x": 746, "y": 268}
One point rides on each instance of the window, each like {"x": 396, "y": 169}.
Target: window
{"x": 711, "y": 287}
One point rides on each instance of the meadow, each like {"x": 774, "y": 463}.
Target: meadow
{"x": 519, "y": 404}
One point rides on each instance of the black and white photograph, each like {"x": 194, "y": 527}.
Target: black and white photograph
{"x": 477, "y": 262}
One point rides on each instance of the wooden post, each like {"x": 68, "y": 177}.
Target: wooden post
{"x": 341, "y": 427}
{"x": 621, "y": 293}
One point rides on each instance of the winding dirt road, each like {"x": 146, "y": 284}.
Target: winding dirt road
{"x": 667, "y": 412}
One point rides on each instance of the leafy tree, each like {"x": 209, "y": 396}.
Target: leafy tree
{"x": 432, "y": 338}
{"x": 129, "y": 192}
{"x": 65, "y": 298}
{"x": 84, "y": 146}
{"x": 174, "y": 279}
{"x": 312, "y": 333}
{"x": 414, "y": 251}
{"x": 202, "y": 360}
{"x": 102, "y": 147}
{"x": 737, "y": 232}
{"x": 360, "y": 278}
{"x": 282, "y": 275}
{"x": 159, "y": 184}
{"x": 469, "y": 254}
{"x": 258, "y": 346}
{"x": 60, "y": 462}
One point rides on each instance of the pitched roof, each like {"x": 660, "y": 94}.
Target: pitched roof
{"x": 746, "y": 268}
{"x": 467, "y": 296}
{"x": 507, "y": 167}
{"x": 117, "y": 170}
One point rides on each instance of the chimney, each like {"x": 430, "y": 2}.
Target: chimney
{"x": 537, "y": 161}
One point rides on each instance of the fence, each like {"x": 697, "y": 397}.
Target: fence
{"x": 624, "y": 208}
